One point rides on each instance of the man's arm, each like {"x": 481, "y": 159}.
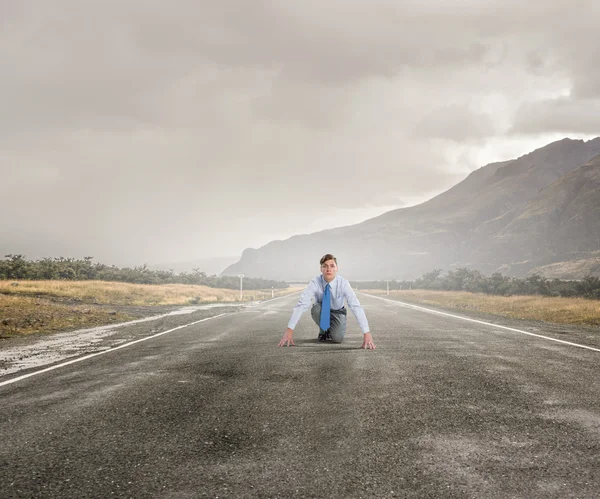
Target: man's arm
{"x": 359, "y": 313}
{"x": 302, "y": 306}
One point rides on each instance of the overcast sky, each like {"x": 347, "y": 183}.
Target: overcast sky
{"x": 144, "y": 131}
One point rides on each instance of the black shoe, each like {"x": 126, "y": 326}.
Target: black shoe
{"x": 324, "y": 335}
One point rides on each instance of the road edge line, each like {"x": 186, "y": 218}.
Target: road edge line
{"x": 89, "y": 356}
{"x": 418, "y": 307}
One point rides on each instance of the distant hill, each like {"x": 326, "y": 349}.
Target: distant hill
{"x": 510, "y": 217}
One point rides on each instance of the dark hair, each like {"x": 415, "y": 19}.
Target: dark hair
{"x": 328, "y": 256}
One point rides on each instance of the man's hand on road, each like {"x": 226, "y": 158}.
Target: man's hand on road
{"x": 287, "y": 338}
{"x": 368, "y": 342}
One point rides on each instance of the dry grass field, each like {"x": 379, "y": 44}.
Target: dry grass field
{"x": 46, "y": 306}
{"x": 542, "y": 308}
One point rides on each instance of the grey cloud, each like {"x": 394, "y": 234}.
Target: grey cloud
{"x": 586, "y": 73}
{"x": 456, "y": 123}
{"x": 117, "y": 67}
{"x": 563, "y": 115}
{"x": 157, "y": 132}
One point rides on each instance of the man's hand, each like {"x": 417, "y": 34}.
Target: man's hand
{"x": 287, "y": 339}
{"x": 368, "y": 342}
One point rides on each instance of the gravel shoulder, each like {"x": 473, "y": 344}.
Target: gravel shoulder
{"x": 25, "y": 353}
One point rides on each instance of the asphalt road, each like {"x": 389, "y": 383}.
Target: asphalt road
{"x": 442, "y": 408}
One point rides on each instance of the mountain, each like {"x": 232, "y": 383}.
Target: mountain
{"x": 558, "y": 228}
{"x": 491, "y": 221}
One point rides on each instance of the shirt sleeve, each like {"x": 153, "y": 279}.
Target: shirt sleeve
{"x": 303, "y": 303}
{"x": 357, "y": 310}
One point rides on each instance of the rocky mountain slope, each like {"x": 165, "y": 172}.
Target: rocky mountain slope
{"x": 510, "y": 217}
{"x": 558, "y": 227}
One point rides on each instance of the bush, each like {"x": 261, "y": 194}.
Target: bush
{"x": 17, "y": 267}
{"x": 473, "y": 281}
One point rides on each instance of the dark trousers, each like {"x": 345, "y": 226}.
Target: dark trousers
{"x": 337, "y": 328}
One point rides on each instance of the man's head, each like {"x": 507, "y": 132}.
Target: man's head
{"x": 329, "y": 267}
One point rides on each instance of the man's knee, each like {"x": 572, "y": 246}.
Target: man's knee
{"x": 337, "y": 336}
{"x": 338, "y": 331}
{"x": 338, "y": 327}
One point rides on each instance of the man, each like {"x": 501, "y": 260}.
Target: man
{"x": 329, "y": 291}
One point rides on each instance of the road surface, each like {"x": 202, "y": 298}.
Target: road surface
{"x": 444, "y": 407}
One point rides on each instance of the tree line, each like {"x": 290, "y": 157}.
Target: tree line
{"x": 18, "y": 267}
{"x": 463, "y": 279}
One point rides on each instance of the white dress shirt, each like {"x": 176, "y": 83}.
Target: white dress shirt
{"x": 340, "y": 291}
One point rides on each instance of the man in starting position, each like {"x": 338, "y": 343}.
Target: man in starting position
{"x": 329, "y": 291}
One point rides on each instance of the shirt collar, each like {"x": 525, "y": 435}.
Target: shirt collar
{"x": 324, "y": 282}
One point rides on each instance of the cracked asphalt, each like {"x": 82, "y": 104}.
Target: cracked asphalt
{"x": 442, "y": 408}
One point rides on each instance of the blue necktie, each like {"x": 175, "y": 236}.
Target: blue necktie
{"x": 324, "y": 323}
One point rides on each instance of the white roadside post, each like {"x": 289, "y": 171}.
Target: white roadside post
{"x": 387, "y": 283}
{"x": 241, "y": 276}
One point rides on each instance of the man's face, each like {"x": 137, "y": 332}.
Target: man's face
{"x": 329, "y": 270}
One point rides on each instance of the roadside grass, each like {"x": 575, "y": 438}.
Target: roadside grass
{"x": 540, "y": 308}
{"x": 21, "y": 315}
{"x": 46, "y": 306}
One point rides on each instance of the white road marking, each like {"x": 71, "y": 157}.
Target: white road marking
{"x": 14, "y": 380}
{"x": 269, "y": 300}
{"x": 417, "y": 307}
